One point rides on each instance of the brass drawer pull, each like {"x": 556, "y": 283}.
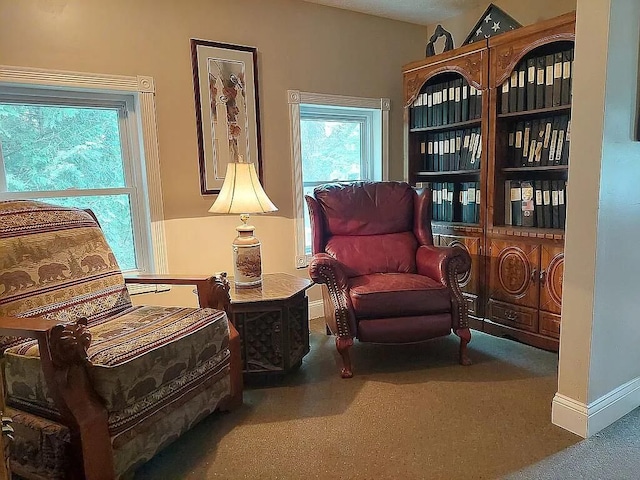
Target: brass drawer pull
{"x": 511, "y": 315}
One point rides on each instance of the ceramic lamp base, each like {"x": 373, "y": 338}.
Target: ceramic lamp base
{"x": 247, "y": 259}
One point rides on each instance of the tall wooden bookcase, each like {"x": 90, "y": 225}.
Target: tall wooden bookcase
{"x": 515, "y": 234}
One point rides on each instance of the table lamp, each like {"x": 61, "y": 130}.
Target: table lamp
{"x": 242, "y": 193}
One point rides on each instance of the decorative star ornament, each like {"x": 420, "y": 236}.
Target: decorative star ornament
{"x": 487, "y": 19}
{"x": 496, "y": 26}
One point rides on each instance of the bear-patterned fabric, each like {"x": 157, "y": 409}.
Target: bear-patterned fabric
{"x": 158, "y": 370}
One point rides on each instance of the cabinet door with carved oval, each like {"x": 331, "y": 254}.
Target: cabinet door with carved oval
{"x": 514, "y": 272}
{"x": 551, "y": 273}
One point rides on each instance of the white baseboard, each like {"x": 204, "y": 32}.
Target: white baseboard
{"x": 586, "y": 420}
{"x": 316, "y": 309}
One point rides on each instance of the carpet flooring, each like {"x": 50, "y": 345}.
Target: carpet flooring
{"x": 410, "y": 412}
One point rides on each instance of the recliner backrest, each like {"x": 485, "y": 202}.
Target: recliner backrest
{"x": 368, "y": 226}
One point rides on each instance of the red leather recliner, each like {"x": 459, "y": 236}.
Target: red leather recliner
{"x": 383, "y": 279}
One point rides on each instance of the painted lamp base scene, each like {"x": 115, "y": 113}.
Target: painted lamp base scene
{"x": 247, "y": 261}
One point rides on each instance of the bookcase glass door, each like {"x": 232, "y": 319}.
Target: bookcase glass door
{"x": 445, "y": 146}
{"x": 533, "y": 133}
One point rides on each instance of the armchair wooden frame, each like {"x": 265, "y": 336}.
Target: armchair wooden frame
{"x": 63, "y": 356}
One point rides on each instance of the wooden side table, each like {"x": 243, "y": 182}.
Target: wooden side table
{"x": 273, "y": 322}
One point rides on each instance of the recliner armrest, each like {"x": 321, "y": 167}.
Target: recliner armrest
{"x": 326, "y": 270}
{"x": 436, "y": 262}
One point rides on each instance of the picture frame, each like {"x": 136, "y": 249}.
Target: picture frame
{"x": 225, "y": 84}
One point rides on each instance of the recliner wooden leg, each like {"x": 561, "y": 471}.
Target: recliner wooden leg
{"x": 465, "y": 338}
{"x": 343, "y": 344}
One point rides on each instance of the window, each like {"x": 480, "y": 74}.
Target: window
{"x": 334, "y": 139}
{"x": 85, "y": 147}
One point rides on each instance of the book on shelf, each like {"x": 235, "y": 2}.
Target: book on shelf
{"x": 513, "y": 91}
{"x": 457, "y": 99}
{"x": 429, "y": 106}
{"x": 465, "y": 102}
{"x": 452, "y": 101}
{"x": 531, "y": 84}
{"x": 522, "y": 85}
{"x": 548, "y": 81}
{"x": 473, "y": 93}
{"x": 565, "y": 98}
{"x": 555, "y": 205}
{"x": 546, "y": 141}
{"x": 540, "y": 82}
{"x": 504, "y": 97}
{"x": 527, "y": 204}
{"x": 517, "y": 154}
{"x": 557, "y": 80}
{"x": 444, "y": 104}
{"x": 546, "y": 204}
{"x": 562, "y": 193}
{"x": 538, "y": 203}
{"x": 515, "y": 195}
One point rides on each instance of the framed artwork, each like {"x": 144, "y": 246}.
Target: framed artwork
{"x": 225, "y": 83}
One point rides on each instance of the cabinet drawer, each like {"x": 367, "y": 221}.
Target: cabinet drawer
{"x": 550, "y": 324}
{"x": 472, "y": 303}
{"x": 513, "y": 315}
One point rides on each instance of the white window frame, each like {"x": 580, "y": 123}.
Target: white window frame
{"x": 135, "y": 98}
{"x": 374, "y": 158}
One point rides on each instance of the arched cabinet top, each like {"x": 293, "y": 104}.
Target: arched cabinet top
{"x": 508, "y": 49}
{"x": 469, "y": 61}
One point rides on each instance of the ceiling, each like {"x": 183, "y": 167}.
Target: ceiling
{"x": 422, "y": 12}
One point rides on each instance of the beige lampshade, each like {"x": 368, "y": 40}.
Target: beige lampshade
{"x": 241, "y": 192}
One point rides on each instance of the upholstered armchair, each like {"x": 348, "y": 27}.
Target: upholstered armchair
{"x": 383, "y": 279}
{"x": 95, "y": 385}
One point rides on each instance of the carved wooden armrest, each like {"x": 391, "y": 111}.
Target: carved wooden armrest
{"x": 212, "y": 290}
{"x": 326, "y": 270}
{"x": 63, "y": 358}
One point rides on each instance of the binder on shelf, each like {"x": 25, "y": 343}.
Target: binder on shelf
{"x": 531, "y": 84}
{"x": 478, "y": 103}
{"x": 554, "y": 141}
{"x": 471, "y": 202}
{"x": 533, "y": 142}
{"x": 522, "y": 85}
{"x": 464, "y": 153}
{"x": 519, "y": 140}
{"x": 423, "y": 154}
{"x": 557, "y": 79}
{"x": 555, "y": 205}
{"x": 445, "y": 104}
{"x": 477, "y": 217}
{"x": 508, "y": 220}
{"x": 564, "y": 157}
{"x": 441, "y": 152}
{"x": 562, "y": 131}
{"x": 565, "y": 95}
{"x": 452, "y": 150}
{"x": 425, "y": 109}
{"x": 546, "y": 141}
{"x": 537, "y": 155}
{"x": 511, "y": 145}
{"x": 513, "y": 91}
{"x": 452, "y": 101}
{"x": 430, "y": 166}
{"x": 459, "y": 137}
{"x": 526, "y": 139}
{"x": 465, "y": 101}
{"x": 538, "y": 203}
{"x": 445, "y": 151}
{"x": 546, "y": 204}
{"x": 473, "y": 93}
{"x": 430, "y": 106}
{"x": 562, "y": 204}
{"x": 548, "y": 81}
{"x": 437, "y": 110}
{"x": 504, "y": 98}
{"x": 457, "y": 98}
{"x": 528, "y": 207}
{"x": 540, "y": 75}
{"x": 516, "y": 203}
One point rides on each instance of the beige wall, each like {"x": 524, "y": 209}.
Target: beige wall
{"x": 300, "y": 46}
{"x": 600, "y": 329}
{"x": 525, "y": 12}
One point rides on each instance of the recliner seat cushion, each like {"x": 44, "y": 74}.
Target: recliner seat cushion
{"x": 382, "y": 295}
